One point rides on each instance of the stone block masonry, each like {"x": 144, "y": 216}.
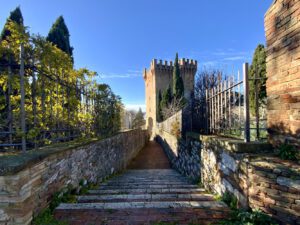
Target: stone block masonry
{"x": 249, "y": 171}
{"x": 259, "y": 181}
{"x": 27, "y": 189}
{"x": 282, "y": 30}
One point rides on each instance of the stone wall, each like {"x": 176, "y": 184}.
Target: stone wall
{"x": 257, "y": 180}
{"x": 249, "y": 171}
{"x": 23, "y": 193}
{"x": 282, "y": 28}
{"x": 185, "y": 158}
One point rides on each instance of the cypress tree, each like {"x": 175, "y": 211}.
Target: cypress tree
{"x": 258, "y": 69}
{"x": 166, "y": 98}
{"x": 178, "y": 88}
{"x": 138, "y": 121}
{"x": 159, "y": 109}
{"x": 59, "y": 36}
{"x": 15, "y": 16}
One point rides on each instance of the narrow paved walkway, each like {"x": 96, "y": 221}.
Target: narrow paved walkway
{"x": 151, "y": 156}
{"x": 148, "y": 193}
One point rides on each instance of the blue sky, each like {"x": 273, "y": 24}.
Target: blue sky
{"x": 118, "y": 38}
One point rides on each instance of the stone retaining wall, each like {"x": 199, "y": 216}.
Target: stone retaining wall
{"x": 249, "y": 171}
{"x": 257, "y": 180}
{"x": 24, "y": 193}
{"x": 184, "y": 156}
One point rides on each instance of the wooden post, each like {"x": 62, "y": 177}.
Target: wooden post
{"x": 22, "y": 86}
{"x": 246, "y": 104}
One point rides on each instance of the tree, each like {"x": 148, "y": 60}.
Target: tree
{"x": 159, "y": 114}
{"x": 108, "y": 108}
{"x": 15, "y": 16}
{"x": 166, "y": 99}
{"x": 59, "y": 36}
{"x": 257, "y": 70}
{"x": 206, "y": 79}
{"x": 173, "y": 107}
{"x": 178, "y": 88}
{"x": 138, "y": 121}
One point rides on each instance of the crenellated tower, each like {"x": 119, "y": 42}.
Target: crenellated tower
{"x": 159, "y": 76}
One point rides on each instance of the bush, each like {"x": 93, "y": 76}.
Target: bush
{"x": 287, "y": 152}
{"x": 230, "y": 200}
{"x": 242, "y": 217}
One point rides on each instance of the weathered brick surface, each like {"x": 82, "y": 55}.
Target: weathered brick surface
{"x": 25, "y": 193}
{"x": 282, "y": 28}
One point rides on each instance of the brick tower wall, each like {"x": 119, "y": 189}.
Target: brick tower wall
{"x": 282, "y": 29}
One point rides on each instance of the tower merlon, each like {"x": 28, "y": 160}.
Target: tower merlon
{"x": 145, "y": 73}
{"x": 168, "y": 65}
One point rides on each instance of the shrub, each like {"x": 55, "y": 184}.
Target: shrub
{"x": 175, "y": 129}
{"x": 230, "y": 200}
{"x": 287, "y": 152}
{"x": 242, "y": 217}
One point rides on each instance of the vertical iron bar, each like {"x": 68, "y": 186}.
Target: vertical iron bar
{"x": 239, "y": 97}
{"x": 22, "y": 86}
{"x": 207, "y": 111}
{"x": 225, "y": 104}
{"x": 256, "y": 105}
{"x": 9, "y": 107}
{"x": 246, "y": 104}
{"x": 229, "y": 104}
{"x": 222, "y": 117}
{"x": 34, "y": 103}
{"x": 218, "y": 106}
{"x": 211, "y": 111}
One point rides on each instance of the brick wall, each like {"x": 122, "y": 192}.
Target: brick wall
{"x": 26, "y": 192}
{"x": 282, "y": 29}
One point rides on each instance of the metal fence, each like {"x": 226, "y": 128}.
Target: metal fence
{"x": 227, "y": 108}
{"x": 15, "y": 127}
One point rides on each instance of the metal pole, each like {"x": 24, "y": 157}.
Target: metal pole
{"x": 22, "y": 86}
{"x": 9, "y": 107}
{"x": 256, "y": 105}
{"x": 246, "y": 104}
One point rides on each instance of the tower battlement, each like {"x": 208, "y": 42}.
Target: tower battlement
{"x": 168, "y": 65}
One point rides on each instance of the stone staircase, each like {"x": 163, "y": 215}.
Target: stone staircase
{"x": 152, "y": 196}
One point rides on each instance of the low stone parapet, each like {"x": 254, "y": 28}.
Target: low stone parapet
{"x": 28, "y": 181}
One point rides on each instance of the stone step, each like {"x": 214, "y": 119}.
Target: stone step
{"x": 145, "y": 186}
{"x": 141, "y": 216}
{"x": 144, "y": 197}
{"x": 213, "y": 205}
{"x": 163, "y": 178}
{"x": 148, "y": 191}
{"x": 162, "y": 181}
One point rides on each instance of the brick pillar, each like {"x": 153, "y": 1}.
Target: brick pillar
{"x": 282, "y": 28}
